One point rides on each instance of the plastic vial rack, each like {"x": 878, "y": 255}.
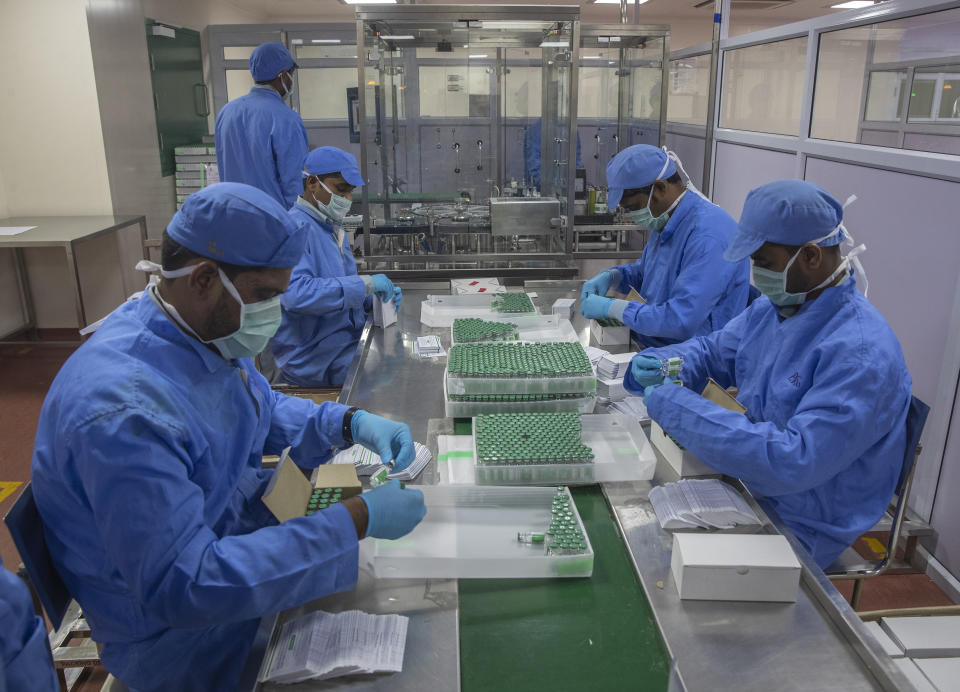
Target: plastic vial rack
{"x": 487, "y": 532}
{"x": 496, "y": 327}
{"x": 442, "y": 310}
{"x": 610, "y": 322}
{"x": 470, "y": 405}
{"x": 530, "y": 438}
{"x": 512, "y": 302}
{"x": 511, "y": 368}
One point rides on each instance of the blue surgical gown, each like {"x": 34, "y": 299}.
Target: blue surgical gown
{"x": 532, "y": 165}
{"x": 827, "y": 393}
{"x": 260, "y": 141}
{"x": 323, "y": 309}
{"x": 25, "y": 662}
{"x": 147, "y": 473}
{"x": 688, "y": 287}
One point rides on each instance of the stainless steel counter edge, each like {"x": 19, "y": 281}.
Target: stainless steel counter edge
{"x": 702, "y": 636}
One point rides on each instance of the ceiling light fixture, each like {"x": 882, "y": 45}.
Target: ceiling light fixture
{"x": 483, "y": 55}
{"x": 397, "y": 37}
{"x": 852, "y": 5}
{"x": 369, "y": 2}
{"x": 555, "y": 44}
{"x": 324, "y": 40}
{"x": 617, "y": 2}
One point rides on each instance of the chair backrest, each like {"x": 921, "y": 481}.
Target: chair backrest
{"x": 26, "y": 528}
{"x": 916, "y": 419}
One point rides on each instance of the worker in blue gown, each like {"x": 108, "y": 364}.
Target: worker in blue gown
{"x": 532, "y": 163}
{"x": 816, "y": 365}
{"x": 147, "y": 464}
{"x": 327, "y": 303}
{"x": 25, "y": 660}
{"x": 685, "y": 287}
{"x": 260, "y": 140}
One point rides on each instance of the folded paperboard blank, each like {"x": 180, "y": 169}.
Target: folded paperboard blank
{"x": 634, "y": 296}
{"x": 935, "y": 636}
{"x": 338, "y": 476}
{"x": 289, "y": 490}
{"x": 889, "y": 646}
{"x": 734, "y": 567}
{"x": 915, "y": 675}
{"x": 721, "y": 397}
{"x": 944, "y": 673}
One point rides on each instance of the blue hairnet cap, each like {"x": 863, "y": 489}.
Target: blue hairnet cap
{"x": 238, "y": 224}
{"x": 325, "y": 160}
{"x": 268, "y": 60}
{"x": 636, "y": 166}
{"x": 788, "y": 212}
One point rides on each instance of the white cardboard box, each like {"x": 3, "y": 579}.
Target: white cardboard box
{"x": 384, "y": 313}
{"x": 944, "y": 673}
{"x": 734, "y": 567}
{"x": 934, "y": 636}
{"x": 609, "y": 336}
{"x": 889, "y": 646}
{"x": 681, "y": 460}
{"x": 563, "y": 307}
{"x": 915, "y": 675}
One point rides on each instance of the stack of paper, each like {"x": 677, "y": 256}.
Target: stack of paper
{"x": 594, "y": 354}
{"x": 632, "y": 407}
{"x": 709, "y": 504}
{"x": 613, "y": 366}
{"x": 429, "y": 347}
{"x": 322, "y": 645}
{"x": 384, "y": 312}
{"x": 611, "y": 390}
{"x": 367, "y": 463}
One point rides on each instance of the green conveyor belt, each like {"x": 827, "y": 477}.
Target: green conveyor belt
{"x": 564, "y": 634}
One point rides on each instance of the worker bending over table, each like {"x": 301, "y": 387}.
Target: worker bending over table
{"x": 147, "y": 467}
{"x": 326, "y": 304}
{"x": 686, "y": 287}
{"x": 817, "y": 367}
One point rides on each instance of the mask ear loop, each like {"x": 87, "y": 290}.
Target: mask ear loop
{"x": 683, "y": 173}
{"x": 852, "y": 257}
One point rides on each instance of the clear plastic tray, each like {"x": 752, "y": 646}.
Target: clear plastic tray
{"x": 532, "y": 328}
{"x": 471, "y": 532}
{"x": 620, "y": 448}
{"x": 469, "y": 409}
{"x": 585, "y": 384}
{"x": 440, "y": 311}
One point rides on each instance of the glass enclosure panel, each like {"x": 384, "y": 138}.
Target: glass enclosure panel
{"x": 455, "y": 91}
{"x": 322, "y": 91}
{"x": 869, "y": 75}
{"x": 762, "y": 88}
{"x": 689, "y": 90}
{"x": 521, "y": 90}
{"x": 308, "y": 50}
{"x": 237, "y": 52}
{"x": 885, "y": 96}
{"x": 238, "y": 83}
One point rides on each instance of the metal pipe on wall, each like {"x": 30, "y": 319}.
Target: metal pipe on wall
{"x": 623, "y": 11}
{"x": 707, "y": 180}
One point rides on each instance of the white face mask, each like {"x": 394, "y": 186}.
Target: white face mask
{"x": 337, "y": 208}
{"x": 258, "y": 321}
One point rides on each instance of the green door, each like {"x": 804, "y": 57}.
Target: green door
{"x": 179, "y": 94}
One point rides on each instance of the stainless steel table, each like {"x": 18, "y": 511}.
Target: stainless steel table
{"x": 65, "y": 232}
{"x": 817, "y": 643}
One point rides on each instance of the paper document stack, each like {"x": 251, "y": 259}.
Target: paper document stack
{"x": 367, "y": 463}
{"x": 594, "y": 354}
{"x": 613, "y": 366}
{"x": 709, "y": 504}
{"x": 322, "y": 645}
{"x": 632, "y": 407}
{"x": 429, "y": 347}
{"x": 384, "y": 313}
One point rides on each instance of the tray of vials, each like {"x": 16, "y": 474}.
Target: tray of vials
{"x": 441, "y": 310}
{"x": 519, "y": 368}
{"x": 470, "y": 405}
{"x": 529, "y": 328}
{"x": 557, "y": 448}
{"x": 487, "y": 532}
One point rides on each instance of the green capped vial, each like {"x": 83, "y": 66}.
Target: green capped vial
{"x": 530, "y": 537}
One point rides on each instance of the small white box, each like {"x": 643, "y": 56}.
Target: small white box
{"x": 384, "y": 313}
{"x": 890, "y": 647}
{"x": 932, "y": 636}
{"x": 734, "y": 567}
{"x": 681, "y": 460}
{"x": 611, "y": 389}
{"x": 609, "y": 336}
{"x": 564, "y": 307}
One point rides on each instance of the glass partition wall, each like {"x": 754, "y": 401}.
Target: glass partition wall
{"x": 475, "y": 169}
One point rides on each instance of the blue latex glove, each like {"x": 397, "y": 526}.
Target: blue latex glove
{"x": 382, "y": 286}
{"x": 397, "y": 297}
{"x": 645, "y": 371}
{"x": 647, "y": 390}
{"x": 390, "y": 439}
{"x": 598, "y": 285}
{"x": 392, "y": 510}
{"x": 595, "y": 307}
